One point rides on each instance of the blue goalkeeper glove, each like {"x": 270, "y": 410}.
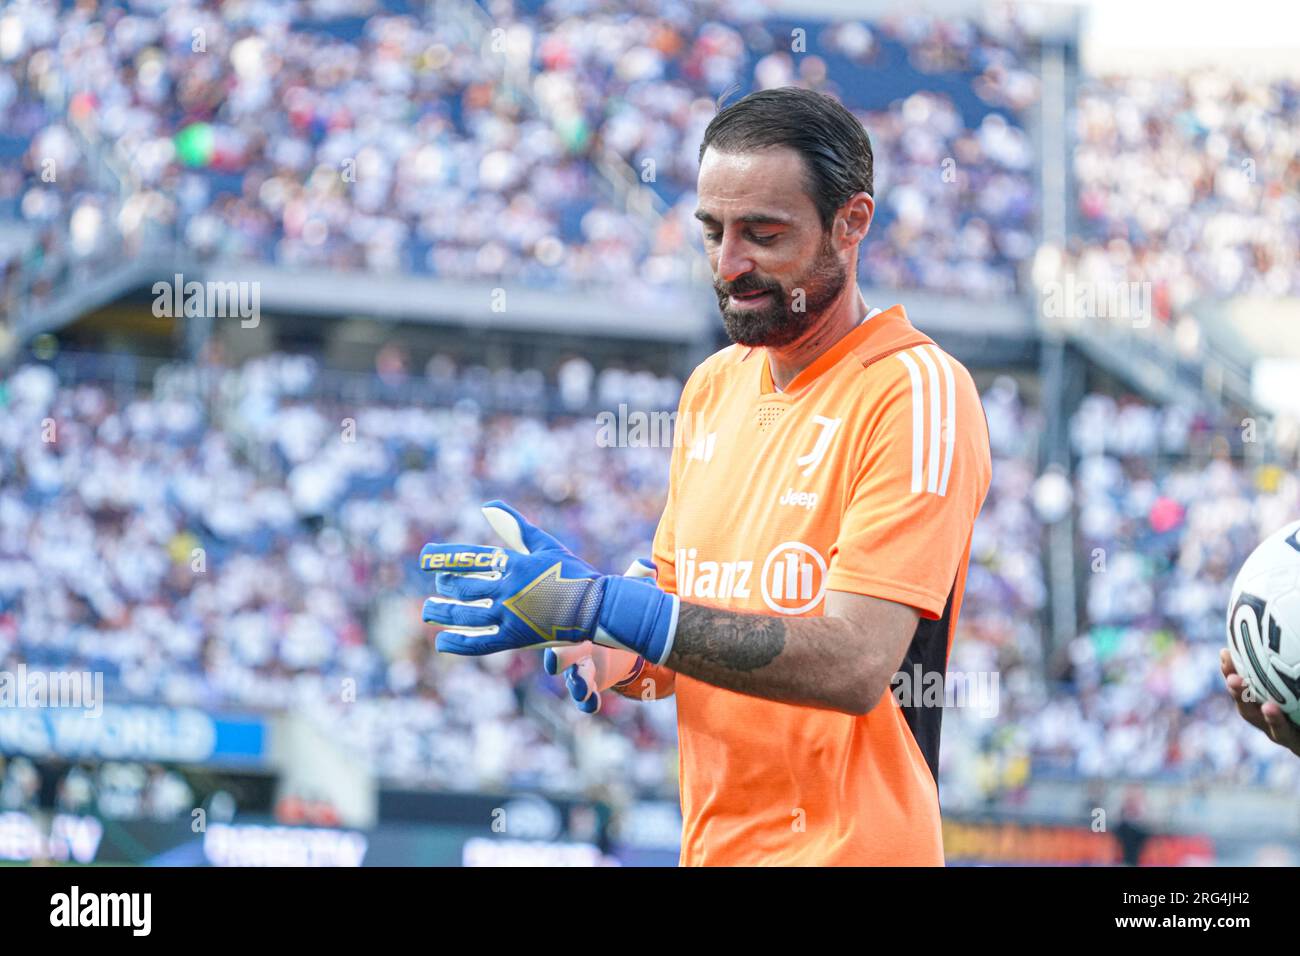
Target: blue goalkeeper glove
{"x": 535, "y": 592}
{"x": 590, "y": 669}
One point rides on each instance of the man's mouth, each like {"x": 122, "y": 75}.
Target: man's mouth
{"x": 745, "y": 300}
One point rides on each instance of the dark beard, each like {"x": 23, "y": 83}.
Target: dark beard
{"x": 776, "y": 324}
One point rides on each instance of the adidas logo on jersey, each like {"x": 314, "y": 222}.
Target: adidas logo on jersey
{"x": 702, "y": 448}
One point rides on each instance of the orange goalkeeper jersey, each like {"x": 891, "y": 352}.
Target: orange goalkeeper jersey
{"x": 864, "y": 475}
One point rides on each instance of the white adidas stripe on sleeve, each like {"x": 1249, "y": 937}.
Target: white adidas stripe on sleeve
{"x": 934, "y": 389}
{"x": 918, "y": 419}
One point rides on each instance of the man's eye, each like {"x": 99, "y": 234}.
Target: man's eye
{"x": 761, "y": 240}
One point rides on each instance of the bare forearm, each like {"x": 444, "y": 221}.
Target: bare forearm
{"x": 812, "y": 661}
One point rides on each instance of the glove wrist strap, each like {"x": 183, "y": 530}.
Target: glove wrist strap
{"x": 637, "y": 618}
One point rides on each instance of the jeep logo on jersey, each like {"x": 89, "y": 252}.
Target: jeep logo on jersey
{"x": 793, "y": 579}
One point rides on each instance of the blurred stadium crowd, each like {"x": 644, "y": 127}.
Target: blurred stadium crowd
{"x": 1166, "y": 508}
{"x": 378, "y": 137}
{"x": 248, "y": 543}
{"x": 354, "y": 136}
{"x": 115, "y": 790}
{"x": 1189, "y": 183}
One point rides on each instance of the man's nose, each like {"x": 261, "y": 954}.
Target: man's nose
{"x": 733, "y": 260}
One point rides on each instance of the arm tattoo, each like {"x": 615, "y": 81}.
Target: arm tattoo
{"x": 793, "y": 660}
{"x": 726, "y": 639}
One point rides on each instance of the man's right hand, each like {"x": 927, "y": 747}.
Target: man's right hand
{"x": 1267, "y": 716}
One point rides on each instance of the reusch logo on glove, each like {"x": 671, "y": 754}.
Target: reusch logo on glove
{"x": 464, "y": 561}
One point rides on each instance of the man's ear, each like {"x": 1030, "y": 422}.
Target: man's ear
{"x": 856, "y": 215}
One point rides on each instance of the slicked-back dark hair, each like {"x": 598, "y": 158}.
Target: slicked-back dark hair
{"x": 833, "y": 144}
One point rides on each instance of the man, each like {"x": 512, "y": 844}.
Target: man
{"x": 815, "y": 538}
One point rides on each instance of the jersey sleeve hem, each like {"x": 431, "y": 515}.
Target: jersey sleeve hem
{"x": 930, "y": 605}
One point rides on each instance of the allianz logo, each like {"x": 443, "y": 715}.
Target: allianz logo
{"x": 799, "y": 499}
{"x": 791, "y": 580}
{"x": 712, "y": 579}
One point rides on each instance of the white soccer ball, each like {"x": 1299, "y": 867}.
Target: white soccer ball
{"x": 1264, "y": 621}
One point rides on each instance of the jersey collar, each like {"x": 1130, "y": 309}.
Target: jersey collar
{"x": 872, "y": 338}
